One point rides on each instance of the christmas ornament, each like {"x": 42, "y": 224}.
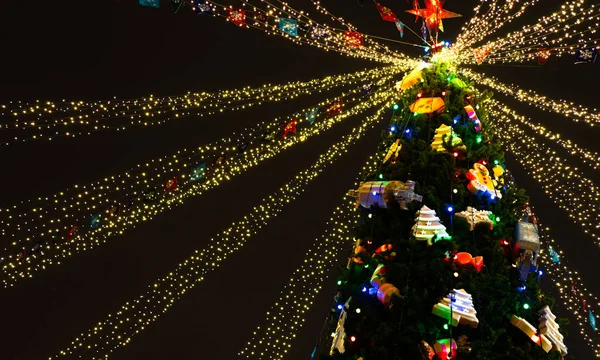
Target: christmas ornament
{"x": 457, "y": 308}
{"x": 289, "y": 127}
{"x": 386, "y": 13}
{"x": 543, "y": 54}
{"x": 474, "y": 217}
{"x": 151, "y": 3}
{"x": 444, "y": 134}
{"x": 427, "y": 226}
{"x": 427, "y": 105}
{"x": 433, "y": 14}
{"x": 481, "y": 54}
{"x": 385, "y": 291}
{"x": 237, "y": 16}
{"x": 400, "y": 27}
{"x": 382, "y": 192}
{"x": 481, "y": 183}
{"x": 586, "y": 56}
{"x": 95, "y": 221}
{"x": 531, "y": 332}
{"x": 353, "y": 39}
{"x": 445, "y": 349}
{"x": 198, "y": 173}
{"x": 393, "y": 150}
{"x": 170, "y": 185}
{"x": 288, "y": 26}
{"x": 464, "y": 258}
{"x": 311, "y": 116}
{"x": 550, "y": 329}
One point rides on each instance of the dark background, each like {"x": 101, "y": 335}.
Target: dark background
{"x": 97, "y": 50}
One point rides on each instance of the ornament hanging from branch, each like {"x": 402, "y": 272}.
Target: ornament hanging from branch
{"x": 457, "y": 308}
{"x": 380, "y": 193}
{"x": 531, "y": 332}
{"x": 428, "y": 226}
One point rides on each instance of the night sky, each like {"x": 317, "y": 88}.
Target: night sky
{"x": 83, "y": 50}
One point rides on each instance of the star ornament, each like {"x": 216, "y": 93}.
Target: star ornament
{"x": 433, "y": 14}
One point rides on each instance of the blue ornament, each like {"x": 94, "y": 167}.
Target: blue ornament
{"x": 95, "y": 221}
{"x": 288, "y": 26}
{"x": 198, "y": 173}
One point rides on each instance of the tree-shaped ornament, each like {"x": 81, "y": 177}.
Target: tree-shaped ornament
{"x": 443, "y": 134}
{"x": 428, "y": 225}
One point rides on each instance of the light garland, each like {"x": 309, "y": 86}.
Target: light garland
{"x": 564, "y": 281}
{"x": 47, "y": 120}
{"x": 561, "y": 182}
{"x": 286, "y": 317}
{"x": 590, "y": 158}
{"x": 134, "y": 316}
{"x": 574, "y": 112}
{"x": 550, "y": 31}
{"x": 88, "y": 200}
{"x": 495, "y": 18}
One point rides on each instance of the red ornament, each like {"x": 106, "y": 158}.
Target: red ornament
{"x": 353, "y": 39}
{"x": 433, "y": 14}
{"x": 290, "y": 127}
{"x": 72, "y": 232}
{"x": 334, "y": 108}
{"x": 543, "y": 54}
{"x": 386, "y": 13}
{"x": 237, "y": 16}
{"x": 480, "y": 54}
{"x": 170, "y": 185}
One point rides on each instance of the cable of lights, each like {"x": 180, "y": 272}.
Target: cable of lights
{"x": 482, "y": 26}
{"x": 569, "y": 282}
{"x": 143, "y": 176}
{"x": 589, "y": 157}
{"x": 577, "y": 113}
{"x": 562, "y": 24}
{"x": 561, "y": 182}
{"x": 118, "y": 329}
{"x": 286, "y": 317}
{"x": 15, "y": 269}
{"x": 86, "y": 122}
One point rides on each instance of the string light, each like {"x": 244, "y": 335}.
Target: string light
{"x": 495, "y": 18}
{"x": 557, "y": 31}
{"x": 564, "y": 280}
{"x": 561, "y": 182}
{"x": 590, "y": 158}
{"x": 69, "y": 208}
{"x": 134, "y": 316}
{"x": 49, "y": 120}
{"x": 570, "y": 110}
{"x": 286, "y": 317}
